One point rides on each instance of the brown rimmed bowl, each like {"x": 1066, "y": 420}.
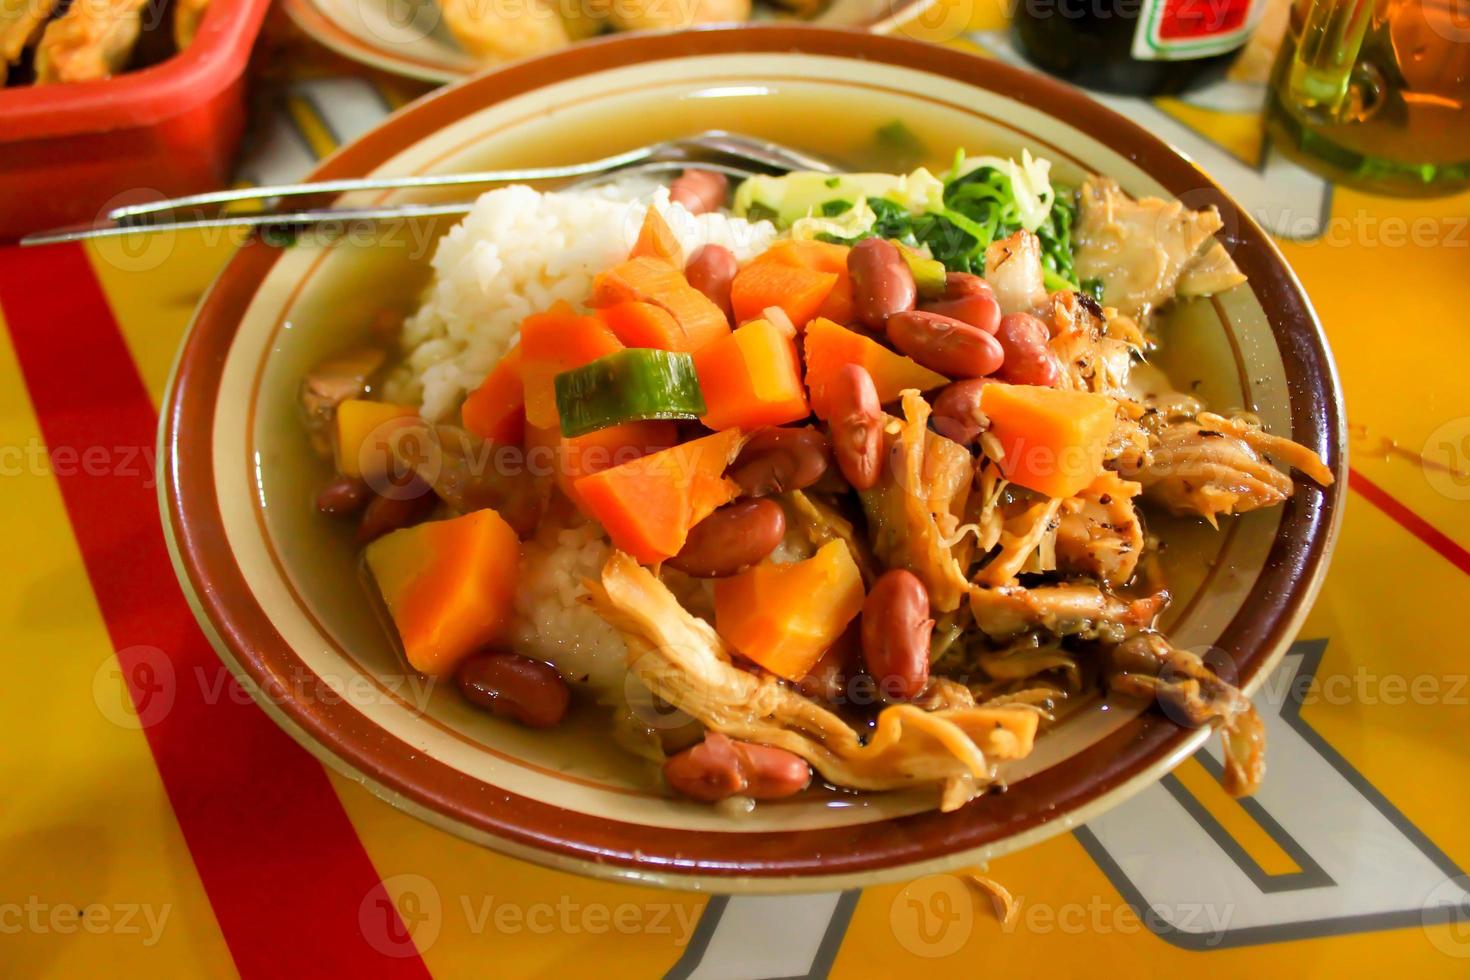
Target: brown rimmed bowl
{"x": 278, "y": 589}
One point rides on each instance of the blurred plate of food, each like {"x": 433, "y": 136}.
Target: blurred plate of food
{"x": 446, "y": 40}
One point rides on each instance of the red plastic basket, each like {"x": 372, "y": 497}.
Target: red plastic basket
{"x": 67, "y": 151}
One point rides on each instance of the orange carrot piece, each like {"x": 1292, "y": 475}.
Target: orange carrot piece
{"x": 784, "y": 617}
{"x": 655, "y": 281}
{"x": 448, "y": 585}
{"x": 656, "y": 240}
{"x": 647, "y": 506}
{"x": 821, "y": 257}
{"x": 751, "y": 378}
{"x": 640, "y": 324}
{"x": 1054, "y": 440}
{"x": 798, "y": 291}
{"x": 497, "y": 409}
{"x": 830, "y": 346}
{"x": 613, "y": 446}
{"x": 556, "y": 341}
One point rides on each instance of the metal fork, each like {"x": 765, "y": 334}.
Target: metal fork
{"x": 730, "y": 153}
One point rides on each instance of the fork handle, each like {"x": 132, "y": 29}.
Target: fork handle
{"x": 112, "y": 230}
{"x": 125, "y": 215}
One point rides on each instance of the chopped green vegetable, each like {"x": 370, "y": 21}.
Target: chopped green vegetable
{"x": 928, "y": 273}
{"x": 628, "y": 386}
{"x": 980, "y": 200}
{"x": 1093, "y": 287}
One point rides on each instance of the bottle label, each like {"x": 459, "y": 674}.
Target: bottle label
{"x": 1178, "y": 30}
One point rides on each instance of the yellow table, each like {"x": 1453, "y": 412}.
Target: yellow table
{"x": 152, "y": 851}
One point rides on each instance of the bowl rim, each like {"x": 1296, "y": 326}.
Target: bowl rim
{"x": 1044, "y": 804}
{"x": 315, "y": 21}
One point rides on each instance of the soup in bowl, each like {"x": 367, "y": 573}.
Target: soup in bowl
{"x": 922, "y": 649}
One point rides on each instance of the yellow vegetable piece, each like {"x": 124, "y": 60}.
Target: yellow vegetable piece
{"x": 363, "y": 428}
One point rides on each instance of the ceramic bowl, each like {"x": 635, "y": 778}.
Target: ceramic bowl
{"x": 278, "y": 588}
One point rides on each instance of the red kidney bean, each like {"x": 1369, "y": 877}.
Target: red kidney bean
{"x": 1028, "y": 360}
{"x": 945, "y": 344}
{"x": 827, "y": 680}
{"x": 732, "y": 538}
{"x": 957, "y": 410}
{"x": 776, "y": 460}
{"x": 720, "y": 767}
{"x": 857, "y": 427}
{"x": 515, "y": 687}
{"x": 968, "y": 298}
{"x": 409, "y": 503}
{"x": 881, "y": 281}
{"x": 344, "y": 496}
{"x": 700, "y": 190}
{"x": 960, "y": 284}
{"x": 896, "y": 627}
{"x": 711, "y": 271}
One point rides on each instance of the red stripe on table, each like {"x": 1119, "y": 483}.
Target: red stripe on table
{"x": 1452, "y": 551}
{"x": 282, "y": 865}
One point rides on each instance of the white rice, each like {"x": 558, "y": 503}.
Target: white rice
{"x": 517, "y": 253}
{"x": 551, "y": 623}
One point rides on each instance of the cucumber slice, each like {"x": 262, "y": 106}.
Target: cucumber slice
{"x": 628, "y": 386}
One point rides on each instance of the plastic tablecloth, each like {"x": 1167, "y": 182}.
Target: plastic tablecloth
{"x": 151, "y": 829}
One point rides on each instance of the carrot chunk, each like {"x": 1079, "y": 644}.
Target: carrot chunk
{"x": 640, "y": 324}
{"x": 798, "y": 291}
{"x": 648, "y": 505}
{"x": 656, "y": 240}
{"x": 1054, "y": 440}
{"x": 594, "y": 452}
{"x": 784, "y": 617}
{"x": 497, "y": 409}
{"x": 553, "y": 342}
{"x": 820, "y": 257}
{"x": 751, "y": 378}
{"x": 448, "y": 586}
{"x": 829, "y": 347}
{"x": 651, "y": 280}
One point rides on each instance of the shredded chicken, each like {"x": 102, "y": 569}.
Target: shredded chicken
{"x": 1211, "y": 465}
{"x": 1060, "y": 609}
{"x": 1149, "y": 666}
{"x": 682, "y": 660}
{"x": 1212, "y": 271}
{"x": 1020, "y": 537}
{"x": 819, "y": 522}
{"x": 329, "y": 384}
{"x": 1292, "y": 453}
{"x": 907, "y": 517}
{"x": 1013, "y": 269}
{"x": 1139, "y": 248}
{"x": 1100, "y": 535}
